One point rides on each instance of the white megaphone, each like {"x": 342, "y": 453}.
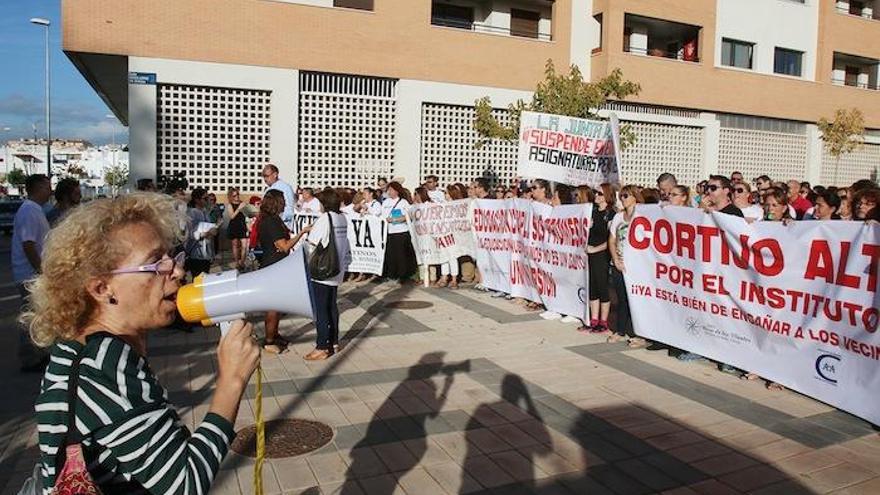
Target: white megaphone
{"x": 226, "y": 296}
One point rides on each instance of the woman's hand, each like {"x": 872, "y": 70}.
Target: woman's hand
{"x": 237, "y": 358}
{"x": 237, "y": 355}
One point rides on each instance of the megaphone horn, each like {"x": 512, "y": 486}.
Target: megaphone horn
{"x": 219, "y": 297}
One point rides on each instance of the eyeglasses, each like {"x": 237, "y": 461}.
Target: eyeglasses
{"x": 624, "y": 196}
{"x": 600, "y": 193}
{"x": 712, "y": 187}
{"x": 269, "y": 174}
{"x": 162, "y": 267}
{"x": 740, "y": 190}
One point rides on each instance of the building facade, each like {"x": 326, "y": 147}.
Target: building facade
{"x": 338, "y": 92}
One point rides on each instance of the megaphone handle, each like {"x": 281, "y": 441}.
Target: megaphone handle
{"x": 224, "y": 328}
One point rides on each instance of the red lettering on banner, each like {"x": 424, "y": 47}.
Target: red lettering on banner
{"x": 872, "y": 251}
{"x": 842, "y": 277}
{"x": 645, "y": 224}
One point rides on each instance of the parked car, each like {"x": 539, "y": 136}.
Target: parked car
{"x": 7, "y": 214}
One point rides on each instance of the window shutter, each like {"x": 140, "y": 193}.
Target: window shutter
{"x": 524, "y": 23}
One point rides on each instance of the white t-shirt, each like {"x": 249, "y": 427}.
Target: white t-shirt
{"x": 30, "y": 224}
{"x": 374, "y": 208}
{"x": 311, "y": 206}
{"x": 753, "y": 212}
{"x": 619, "y": 228}
{"x": 395, "y": 208}
{"x": 437, "y": 196}
{"x": 348, "y": 210}
{"x": 320, "y": 233}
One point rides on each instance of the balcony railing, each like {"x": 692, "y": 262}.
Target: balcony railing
{"x": 843, "y": 82}
{"x": 480, "y": 27}
{"x": 657, "y": 52}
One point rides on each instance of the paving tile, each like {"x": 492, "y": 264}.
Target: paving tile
{"x": 452, "y": 478}
{"x": 419, "y": 482}
{"x": 293, "y": 473}
{"x": 486, "y": 441}
{"x": 364, "y": 463}
{"x": 836, "y": 477}
{"x": 724, "y": 463}
{"x": 383, "y": 484}
{"x": 328, "y": 468}
{"x": 753, "y": 478}
{"x": 486, "y": 472}
{"x": 396, "y": 456}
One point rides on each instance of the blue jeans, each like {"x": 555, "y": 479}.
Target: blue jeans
{"x": 326, "y": 315}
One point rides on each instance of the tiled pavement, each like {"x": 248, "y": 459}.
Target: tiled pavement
{"x": 474, "y": 395}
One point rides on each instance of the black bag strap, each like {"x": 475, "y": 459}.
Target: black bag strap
{"x": 331, "y": 242}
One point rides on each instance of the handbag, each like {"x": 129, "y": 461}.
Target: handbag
{"x": 74, "y": 478}
{"x": 324, "y": 261}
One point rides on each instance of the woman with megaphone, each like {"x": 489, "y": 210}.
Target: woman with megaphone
{"x": 104, "y": 421}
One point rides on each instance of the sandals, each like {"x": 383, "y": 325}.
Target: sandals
{"x": 614, "y": 338}
{"x": 776, "y": 387}
{"x": 318, "y": 355}
{"x": 274, "y": 348}
{"x": 636, "y": 343}
{"x": 441, "y": 282}
{"x": 749, "y": 377}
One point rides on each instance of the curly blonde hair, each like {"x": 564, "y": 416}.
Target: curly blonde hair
{"x": 80, "y": 248}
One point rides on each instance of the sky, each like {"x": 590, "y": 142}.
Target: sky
{"x": 77, "y": 111}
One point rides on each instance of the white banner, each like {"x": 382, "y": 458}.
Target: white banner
{"x": 441, "y": 232}
{"x": 366, "y": 239}
{"x": 535, "y": 251}
{"x": 796, "y": 304}
{"x": 567, "y": 149}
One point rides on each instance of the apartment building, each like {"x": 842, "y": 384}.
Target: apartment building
{"x": 341, "y": 91}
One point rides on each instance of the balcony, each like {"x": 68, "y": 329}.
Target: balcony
{"x": 866, "y": 9}
{"x": 659, "y": 38}
{"x": 530, "y": 19}
{"x": 855, "y": 71}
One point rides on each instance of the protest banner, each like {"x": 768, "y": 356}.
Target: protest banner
{"x": 535, "y": 251}
{"x": 366, "y": 239}
{"x": 441, "y": 232}
{"x": 567, "y": 149}
{"x": 796, "y": 304}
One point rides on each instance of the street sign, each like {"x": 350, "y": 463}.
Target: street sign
{"x": 148, "y": 78}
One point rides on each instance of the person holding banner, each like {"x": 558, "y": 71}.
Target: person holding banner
{"x": 400, "y": 257}
{"x": 541, "y": 191}
{"x": 742, "y": 199}
{"x": 679, "y": 196}
{"x": 827, "y": 206}
{"x": 776, "y": 207}
{"x": 598, "y": 255}
{"x": 630, "y": 196}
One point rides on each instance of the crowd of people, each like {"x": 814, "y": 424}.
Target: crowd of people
{"x": 99, "y": 276}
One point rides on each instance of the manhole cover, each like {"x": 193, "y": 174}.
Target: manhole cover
{"x": 409, "y": 304}
{"x": 284, "y": 438}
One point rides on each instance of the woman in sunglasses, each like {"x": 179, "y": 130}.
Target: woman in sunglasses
{"x": 541, "y": 191}
{"x": 630, "y": 196}
{"x": 107, "y": 282}
{"x": 742, "y": 199}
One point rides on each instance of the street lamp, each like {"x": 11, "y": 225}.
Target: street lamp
{"x": 39, "y": 21}
{"x": 113, "y": 149}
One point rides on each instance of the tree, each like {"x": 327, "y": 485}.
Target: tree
{"x": 560, "y": 94}
{"x": 842, "y": 135}
{"x": 16, "y": 177}
{"x": 116, "y": 176}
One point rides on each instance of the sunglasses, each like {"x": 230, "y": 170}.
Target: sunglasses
{"x": 740, "y": 190}
{"x": 161, "y": 267}
{"x": 624, "y": 196}
{"x": 712, "y": 188}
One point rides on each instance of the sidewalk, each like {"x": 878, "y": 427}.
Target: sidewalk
{"x": 532, "y": 407}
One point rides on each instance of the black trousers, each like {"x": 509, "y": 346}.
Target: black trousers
{"x": 326, "y": 315}
{"x": 624, "y": 324}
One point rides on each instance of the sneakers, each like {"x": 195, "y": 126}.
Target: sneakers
{"x": 550, "y": 315}
{"x": 569, "y": 319}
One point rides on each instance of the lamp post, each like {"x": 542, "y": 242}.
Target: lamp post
{"x": 113, "y": 148}
{"x": 39, "y": 21}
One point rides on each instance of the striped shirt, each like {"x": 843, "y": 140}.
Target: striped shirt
{"x": 133, "y": 440}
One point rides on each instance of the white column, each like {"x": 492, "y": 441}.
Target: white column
{"x": 712, "y": 144}
{"x": 814, "y": 154}
{"x": 408, "y": 134}
{"x": 584, "y": 35}
{"x": 142, "y": 100}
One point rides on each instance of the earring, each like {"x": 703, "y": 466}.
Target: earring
{"x": 113, "y": 301}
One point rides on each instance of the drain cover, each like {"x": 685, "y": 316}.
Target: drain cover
{"x": 284, "y": 438}
{"x": 408, "y": 304}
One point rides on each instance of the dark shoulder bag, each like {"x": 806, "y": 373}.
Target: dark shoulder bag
{"x": 324, "y": 261}
{"x": 73, "y": 477}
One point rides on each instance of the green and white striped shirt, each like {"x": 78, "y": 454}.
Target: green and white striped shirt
{"x": 133, "y": 440}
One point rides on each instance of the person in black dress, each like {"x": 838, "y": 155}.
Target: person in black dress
{"x": 235, "y": 214}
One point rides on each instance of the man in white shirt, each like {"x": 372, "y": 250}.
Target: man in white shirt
{"x": 29, "y": 230}
{"x": 270, "y": 177}
{"x": 435, "y": 194}
{"x": 666, "y": 183}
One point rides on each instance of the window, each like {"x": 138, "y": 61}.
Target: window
{"x": 598, "y": 18}
{"x": 354, "y": 4}
{"x": 852, "y": 75}
{"x": 736, "y": 53}
{"x": 787, "y": 62}
{"x": 452, "y": 16}
{"x": 855, "y": 8}
{"x": 524, "y": 23}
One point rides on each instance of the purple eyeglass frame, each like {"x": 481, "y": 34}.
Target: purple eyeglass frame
{"x": 153, "y": 267}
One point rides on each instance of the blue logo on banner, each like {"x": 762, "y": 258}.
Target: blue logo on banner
{"x": 826, "y": 367}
